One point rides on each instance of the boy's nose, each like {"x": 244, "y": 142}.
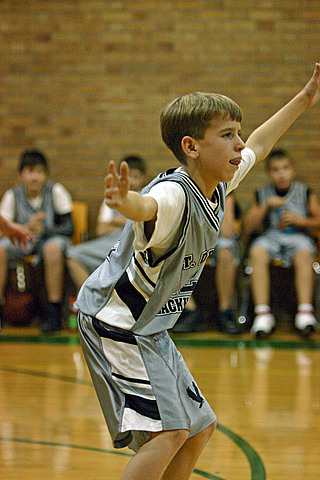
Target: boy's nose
{"x": 241, "y": 144}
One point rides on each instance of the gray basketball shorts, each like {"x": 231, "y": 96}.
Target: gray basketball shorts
{"x": 284, "y": 246}
{"x": 142, "y": 383}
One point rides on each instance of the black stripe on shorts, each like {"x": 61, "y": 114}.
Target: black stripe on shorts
{"x": 103, "y": 331}
{"x": 143, "y": 406}
{"x": 131, "y": 380}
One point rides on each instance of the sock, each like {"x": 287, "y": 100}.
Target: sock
{"x": 305, "y": 308}
{"x": 54, "y": 310}
{"x": 262, "y": 308}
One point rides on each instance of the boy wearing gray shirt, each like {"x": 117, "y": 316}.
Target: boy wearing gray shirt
{"x": 149, "y": 398}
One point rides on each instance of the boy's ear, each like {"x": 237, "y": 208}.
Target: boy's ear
{"x": 190, "y": 146}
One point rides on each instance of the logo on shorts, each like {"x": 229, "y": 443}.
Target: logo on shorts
{"x": 195, "y": 395}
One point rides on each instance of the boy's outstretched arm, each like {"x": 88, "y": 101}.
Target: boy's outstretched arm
{"x": 131, "y": 204}
{"x": 264, "y": 137}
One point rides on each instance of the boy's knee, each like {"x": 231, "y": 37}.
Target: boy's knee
{"x": 259, "y": 255}
{"x": 178, "y": 437}
{"x": 225, "y": 256}
{"x": 52, "y": 252}
{"x": 174, "y": 439}
{"x": 303, "y": 257}
{"x": 209, "y": 431}
{"x": 3, "y": 254}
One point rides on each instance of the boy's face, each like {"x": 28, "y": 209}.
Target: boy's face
{"x": 34, "y": 179}
{"x": 220, "y": 150}
{"x": 137, "y": 179}
{"x": 281, "y": 172}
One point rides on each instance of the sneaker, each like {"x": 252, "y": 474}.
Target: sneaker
{"x": 263, "y": 325}
{"x": 227, "y": 322}
{"x": 190, "y": 321}
{"x": 305, "y": 323}
{"x": 52, "y": 320}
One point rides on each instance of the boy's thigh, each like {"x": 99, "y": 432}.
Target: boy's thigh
{"x": 230, "y": 243}
{"x": 300, "y": 242}
{"x": 269, "y": 244}
{"x": 62, "y": 242}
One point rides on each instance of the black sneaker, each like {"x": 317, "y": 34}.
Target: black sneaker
{"x": 227, "y": 322}
{"x": 190, "y": 321}
{"x": 52, "y": 319}
{"x": 1, "y": 316}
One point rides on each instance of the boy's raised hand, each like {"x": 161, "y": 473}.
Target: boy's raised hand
{"x": 116, "y": 186}
{"x": 312, "y": 88}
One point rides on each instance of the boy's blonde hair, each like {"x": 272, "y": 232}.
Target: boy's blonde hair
{"x": 191, "y": 115}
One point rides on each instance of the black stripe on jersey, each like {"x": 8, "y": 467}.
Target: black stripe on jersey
{"x": 186, "y": 220}
{"x": 103, "y": 331}
{"x": 143, "y": 273}
{"x": 130, "y": 296}
{"x": 208, "y": 211}
{"x": 132, "y": 380}
{"x": 143, "y": 406}
{"x": 216, "y": 197}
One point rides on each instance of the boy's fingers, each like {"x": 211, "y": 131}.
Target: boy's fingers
{"x": 111, "y": 191}
{"x": 111, "y": 202}
{"x": 124, "y": 171}
{"x": 111, "y": 167}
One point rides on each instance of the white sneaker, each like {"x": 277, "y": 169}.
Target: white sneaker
{"x": 263, "y": 325}
{"x": 306, "y": 323}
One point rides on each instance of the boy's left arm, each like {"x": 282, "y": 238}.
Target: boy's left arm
{"x": 311, "y": 222}
{"x": 264, "y": 137}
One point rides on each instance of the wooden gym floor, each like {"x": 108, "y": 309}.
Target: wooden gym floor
{"x": 266, "y": 396}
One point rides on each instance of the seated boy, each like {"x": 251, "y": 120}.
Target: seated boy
{"x": 44, "y": 207}
{"x": 225, "y": 258}
{"x": 283, "y": 215}
{"x": 84, "y": 258}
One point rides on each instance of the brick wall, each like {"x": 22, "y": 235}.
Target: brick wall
{"x": 85, "y": 80}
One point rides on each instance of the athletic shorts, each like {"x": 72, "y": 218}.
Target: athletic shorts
{"x": 94, "y": 252}
{"x": 35, "y": 248}
{"x": 284, "y": 246}
{"x": 231, "y": 243}
{"x": 142, "y": 382}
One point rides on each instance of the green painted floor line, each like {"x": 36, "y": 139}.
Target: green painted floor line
{"x": 201, "y": 473}
{"x": 258, "y": 471}
{"x": 256, "y": 464}
{"x": 180, "y": 341}
{"x": 52, "y": 376}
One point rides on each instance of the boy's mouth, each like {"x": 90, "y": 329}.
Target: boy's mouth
{"x": 235, "y": 161}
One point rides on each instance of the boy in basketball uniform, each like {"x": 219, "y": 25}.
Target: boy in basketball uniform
{"x": 150, "y": 401}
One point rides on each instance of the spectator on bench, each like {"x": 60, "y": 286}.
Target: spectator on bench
{"x": 84, "y": 258}
{"x": 225, "y": 258}
{"x": 44, "y": 207}
{"x": 283, "y": 215}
